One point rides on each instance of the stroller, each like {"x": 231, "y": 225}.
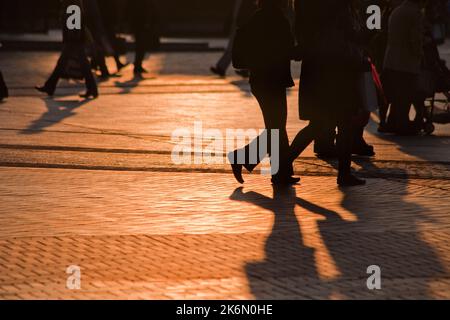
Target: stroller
{"x": 437, "y": 95}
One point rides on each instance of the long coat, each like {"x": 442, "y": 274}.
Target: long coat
{"x": 328, "y": 82}
{"x": 404, "y": 50}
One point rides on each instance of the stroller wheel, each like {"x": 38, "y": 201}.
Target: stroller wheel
{"x": 429, "y": 128}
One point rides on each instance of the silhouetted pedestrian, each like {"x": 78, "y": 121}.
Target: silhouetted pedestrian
{"x": 271, "y": 46}
{"x": 108, "y": 10}
{"x": 73, "y": 49}
{"x": 99, "y": 44}
{"x": 403, "y": 62}
{"x": 325, "y": 144}
{"x": 242, "y": 12}
{"x": 331, "y": 70}
{"x": 144, "y": 25}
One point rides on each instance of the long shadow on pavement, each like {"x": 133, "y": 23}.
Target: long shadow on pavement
{"x": 385, "y": 233}
{"x": 57, "y": 111}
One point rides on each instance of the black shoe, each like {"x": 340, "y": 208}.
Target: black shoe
{"x": 385, "y": 128}
{"x": 88, "y": 95}
{"x": 217, "y": 71}
{"x": 364, "y": 150}
{"x": 285, "y": 180}
{"x": 120, "y": 66}
{"x": 350, "y": 180}
{"x": 237, "y": 168}
{"x": 45, "y": 90}
{"x": 243, "y": 73}
{"x": 410, "y": 131}
{"x": 139, "y": 70}
{"x": 328, "y": 154}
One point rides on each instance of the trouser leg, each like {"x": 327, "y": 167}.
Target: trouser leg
{"x": 302, "y": 140}
{"x": 344, "y": 143}
{"x": 274, "y": 141}
{"x": 225, "y": 61}
{"x": 91, "y": 85}
{"x": 140, "y": 49}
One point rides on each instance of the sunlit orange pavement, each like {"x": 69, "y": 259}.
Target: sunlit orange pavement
{"x": 93, "y": 184}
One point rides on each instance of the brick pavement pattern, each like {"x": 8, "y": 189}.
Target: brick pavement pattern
{"x": 92, "y": 184}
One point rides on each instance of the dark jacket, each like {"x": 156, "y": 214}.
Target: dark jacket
{"x": 404, "y": 50}
{"x": 272, "y": 46}
{"x": 142, "y": 14}
{"x": 332, "y": 63}
{"x": 246, "y": 11}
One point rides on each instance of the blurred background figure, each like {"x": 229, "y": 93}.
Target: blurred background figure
{"x": 73, "y": 53}
{"x": 403, "y": 64}
{"x": 325, "y": 142}
{"x": 437, "y": 16}
{"x": 243, "y": 10}
{"x": 99, "y": 45}
{"x": 144, "y": 23}
{"x": 3, "y": 88}
{"x": 109, "y": 13}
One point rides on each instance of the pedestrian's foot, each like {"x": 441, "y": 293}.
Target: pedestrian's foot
{"x": 120, "y": 66}
{"x": 364, "y": 150}
{"x": 217, "y": 71}
{"x": 104, "y": 77}
{"x": 88, "y": 95}
{"x": 243, "y": 73}
{"x": 285, "y": 180}
{"x": 327, "y": 154}
{"x": 237, "y": 172}
{"x": 350, "y": 180}
{"x": 139, "y": 70}
{"x": 45, "y": 90}
{"x": 236, "y": 168}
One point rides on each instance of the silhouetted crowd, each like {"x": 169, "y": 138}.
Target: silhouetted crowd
{"x": 348, "y": 70}
{"x": 339, "y": 83}
{"x": 85, "y": 50}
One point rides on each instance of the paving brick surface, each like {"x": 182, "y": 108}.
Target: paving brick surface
{"x": 92, "y": 184}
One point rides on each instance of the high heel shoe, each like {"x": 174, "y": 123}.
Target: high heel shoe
{"x": 46, "y": 90}
{"x": 236, "y": 168}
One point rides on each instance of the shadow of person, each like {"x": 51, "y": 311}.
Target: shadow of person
{"x": 128, "y": 86}
{"x": 387, "y": 233}
{"x": 425, "y": 147}
{"x": 289, "y": 267}
{"x": 243, "y": 85}
{"x": 57, "y": 111}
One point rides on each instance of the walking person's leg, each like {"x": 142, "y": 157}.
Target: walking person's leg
{"x": 3, "y": 88}
{"x": 91, "y": 85}
{"x": 302, "y": 140}
{"x": 50, "y": 85}
{"x": 344, "y": 144}
{"x": 225, "y": 61}
{"x": 273, "y": 105}
{"x": 140, "y": 51}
